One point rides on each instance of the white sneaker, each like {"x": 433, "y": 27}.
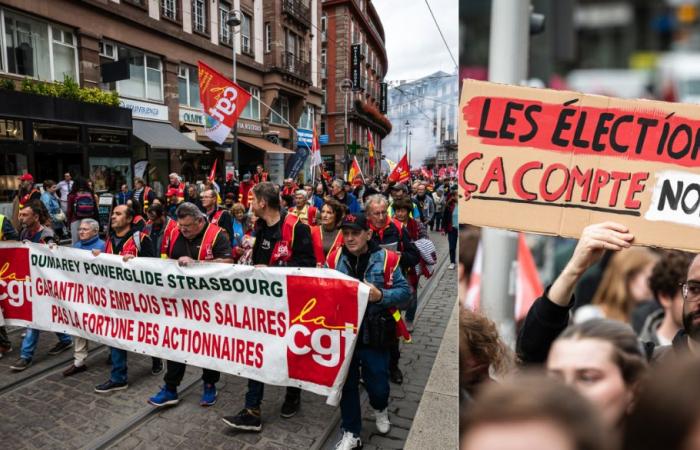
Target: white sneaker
{"x": 382, "y": 420}
{"x": 451, "y": 266}
{"x": 348, "y": 442}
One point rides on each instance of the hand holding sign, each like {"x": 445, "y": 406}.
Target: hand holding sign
{"x": 185, "y": 261}
{"x": 375, "y": 295}
{"x": 594, "y": 240}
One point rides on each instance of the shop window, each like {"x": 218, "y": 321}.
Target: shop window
{"x": 108, "y": 137}
{"x": 188, "y": 86}
{"x": 11, "y": 130}
{"x": 30, "y": 46}
{"x": 50, "y": 132}
{"x": 252, "y": 109}
{"x": 108, "y": 174}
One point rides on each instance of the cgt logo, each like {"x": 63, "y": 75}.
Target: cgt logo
{"x": 323, "y": 323}
{"x": 15, "y": 284}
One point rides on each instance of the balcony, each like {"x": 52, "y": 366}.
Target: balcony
{"x": 295, "y": 66}
{"x": 297, "y": 11}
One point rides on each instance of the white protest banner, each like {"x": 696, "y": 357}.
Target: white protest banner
{"x": 281, "y": 326}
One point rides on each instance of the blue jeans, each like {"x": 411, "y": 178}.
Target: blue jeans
{"x": 118, "y": 373}
{"x": 375, "y": 372}
{"x": 31, "y": 340}
{"x": 452, "y": 240}
{"x": 256, "y": 389}
{"x": 411, "y": 312}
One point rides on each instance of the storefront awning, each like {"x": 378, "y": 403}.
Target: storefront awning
{"x": 264, "y": 145}
{"x": 164, "y": 135}
{"x": 201, "y": 136}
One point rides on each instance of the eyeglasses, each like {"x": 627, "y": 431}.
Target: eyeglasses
{"x": 691, "y": 291}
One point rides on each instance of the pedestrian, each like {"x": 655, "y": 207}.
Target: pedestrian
{"x": 231, "y": 188}
{"x": 280, "y": 240}
{"x": 64, "y": 188}
{"x": 25, "y": 194}
{"x": 138, "y": 222}
{"x": 240, "y": 227}
{"x": 346, "y": 198}
{"x": 439, "y": 200}
{"x": 426, "y": 206}
{"x": 531, "y": 412}
{"x": 327, "y": 236}
{"x": 215, "y": 214}
{"x": 363, "y": 259}
{"x": 302, "y": 209}
{"x": 625, "y": 285}
{"x": 31, "y": 217}
{"x": 129, "y": 243}
{"x": 195, "y": 239}
{"x": 89, "y": 240}
{"x": 123, "y": 195}
{"x": 260, "y": 174}
{"x": 391, "y": 235}
{"x": 160, "y": 228}
{"x": 82, "y": 204}
{"x": 53, "y": 206}
{"x": 450, "y": 224}
{"x": 143, "y": 194}
{"x": 7, "y": 233}
{"x": 178, "y": 188}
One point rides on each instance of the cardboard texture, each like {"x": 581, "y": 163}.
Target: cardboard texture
{"x": 553, "y": 162}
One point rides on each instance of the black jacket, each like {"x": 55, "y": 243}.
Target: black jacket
{"x": 543, "y": 324}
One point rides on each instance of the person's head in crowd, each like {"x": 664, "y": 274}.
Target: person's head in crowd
{"x": 139, "y": 183}
{"x": 124, "y": 188}
{"x": 529, "y": 412}
{"x": 605, "y": 361}
{"x": 300, "y": 199}
{"x": 337, "y": 187}
{"x": 288, "y": 182}
{"x": 80, "y": 184}
{"x": 468, "y": 244}
{"x": 229, "y": 201}
{"x": 192, "y": 191}
{"x": 399, "y": 190}
{"x": 402, "y": 209}
{"x": 33, "y": 214}
{"x": 625, "y": 282}
{"x": 319, "y": 189}
{"x": 238, "y": 211}
{"x": 50, "y": 186}
{"x": 157, "y": 201}
{"x": 190, "y": 220}
{"x": 26, "y": 181}
{"x": 259, "y": 168}
{"x": 347, "y": 188}
{"x": 691, "y": 303}
{"x": 332, "y": 213}
{"x": 156, "y": 213}
{"x": 208, "y": 198}
{"x": 135, "y": 205}
{"x": 88, "y": 229}
{"x": 384, "y": 186}
{"x": 91, "y": 185}
{"x": 174, "y": 179}
{"x": 376, "y": 209}
{"x": 414, "y": 186}
{"x": 67, "y": 176}
{"x": 286, "y": 201}
{"x": 122, "y": 216}
{"x": 309, "y": 190}
{"x": 356, "y": 233}
{"x": 665, "y": 283}
{"x": 421, "y": 189}
{"x": 266, "y": 199}
{"x": 481, "y": 350}
{"x": 667, "y": 413}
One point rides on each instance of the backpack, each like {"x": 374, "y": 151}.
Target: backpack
{"x": 84, "y": 205}
{"x": 428, "y": 257}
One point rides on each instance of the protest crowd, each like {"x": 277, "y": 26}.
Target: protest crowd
{"x": 374, "y": 230}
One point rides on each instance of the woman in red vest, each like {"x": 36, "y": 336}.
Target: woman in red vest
{"x": 327, "y": 236}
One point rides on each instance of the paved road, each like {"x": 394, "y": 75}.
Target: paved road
{"x": 41, "y": 409}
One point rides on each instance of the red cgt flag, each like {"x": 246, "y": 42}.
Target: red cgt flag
{"x": 212, "y": 174}
{"x": 401, "y": 172}
{"x": 222, "y": 100}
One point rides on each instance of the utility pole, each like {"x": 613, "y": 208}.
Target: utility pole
{"x": 345, "y": 87}
{"x": 233, "y": 21}
{"x": 508, "y": 55}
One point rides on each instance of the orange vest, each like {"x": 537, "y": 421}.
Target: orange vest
{"x": 206, "y": 249}
{"x": 170, "y": 226}
{"x": 144, "y": 202}
{"x": 129, "y": 247}
{"x": 217, "y": 216}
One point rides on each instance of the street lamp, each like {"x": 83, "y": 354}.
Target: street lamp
{"x": 345, "y": 87}
{"x": 233, "y": 21}
{"x": 407, "y": 126}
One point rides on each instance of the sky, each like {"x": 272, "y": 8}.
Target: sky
{"x": 413, "y": 44}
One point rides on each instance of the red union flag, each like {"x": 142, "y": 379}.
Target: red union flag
{"x": 321, "y": 329}
{"x": 15, "y": 284}
{"x": 223, "y": 101}
{"x": 401, "y": 172}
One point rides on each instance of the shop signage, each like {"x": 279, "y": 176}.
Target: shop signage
{"x": 192, "y": 117}
{"x": 383, "y": 98}
{"x": 323, "y": 139}
{"x": 144, "y": 110}
{"x": 304, "y": 138}
{"x": 355, "y": 66}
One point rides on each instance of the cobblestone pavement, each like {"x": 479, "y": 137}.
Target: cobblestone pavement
{"x": 39, "y": 408}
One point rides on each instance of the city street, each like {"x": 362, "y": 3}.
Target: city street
{"x": 39, "y": 408}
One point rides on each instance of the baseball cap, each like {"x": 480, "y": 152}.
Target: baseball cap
{"x": 355, "y": 221}
{"x": 26, "y": 177}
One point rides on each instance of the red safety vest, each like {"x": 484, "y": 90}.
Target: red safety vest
{"x": 389, "y": 221}
{"x": 138, "y": 220}
{"x": 311, "y": 215}
{"x": 170, "y": 226}
{"x": 144, "y": 200}
{"x": 129, "y": 248}
{"x": 216, "y": 217}
{"x": 25, "y": 199}
{"x": 317, "y": 242}
{"x": 206, "y": 249}
{"x": 391, "y": 262}
{"x": 282, "y": 252}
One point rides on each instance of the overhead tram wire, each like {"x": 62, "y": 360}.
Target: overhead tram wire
{"x": 441, "y": 35}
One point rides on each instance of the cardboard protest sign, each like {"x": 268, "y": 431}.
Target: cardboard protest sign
{"x": 555, "y": 161}
{"x": 274, "y": 325}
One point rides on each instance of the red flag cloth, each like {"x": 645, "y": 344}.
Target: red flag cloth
{"x": 355, "y": 174}
{"x": 223, "y": 102}
{"x": 426, "y": 173}
{"x": 528, "y": 285}
{"x": 370, "y": 145}
{"x": 212, "y": 174}
{"x": 401, "y": 172}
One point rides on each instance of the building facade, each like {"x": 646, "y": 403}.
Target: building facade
{"x": 344, "y": 23}
{"x": 424, "y": 114}
{"x": 160, "y": 43}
